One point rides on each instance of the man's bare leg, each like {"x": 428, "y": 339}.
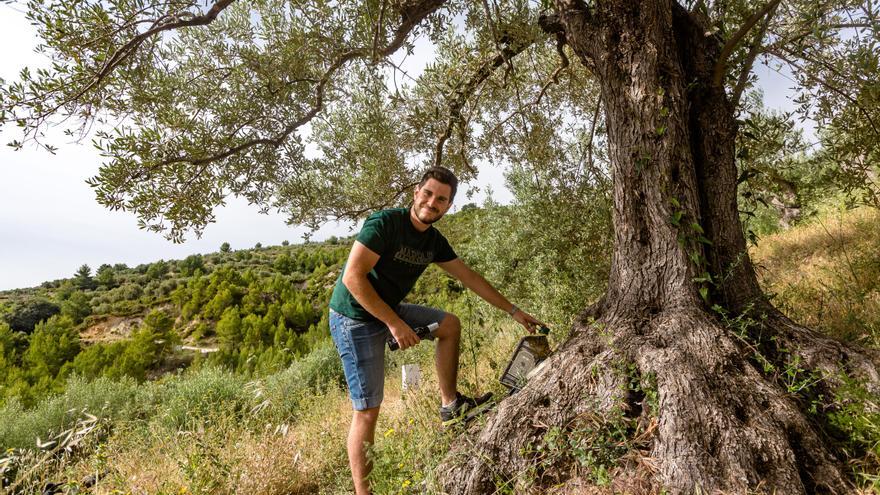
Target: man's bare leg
{"x": 360, "y": 437}
{"x": 446, "y": 356}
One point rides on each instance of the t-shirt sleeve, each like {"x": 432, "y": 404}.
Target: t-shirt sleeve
{"x": 375, "y": 233}
{"x": 444, "y": 250}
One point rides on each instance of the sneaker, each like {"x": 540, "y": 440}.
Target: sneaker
{"x": 461, "y": 405}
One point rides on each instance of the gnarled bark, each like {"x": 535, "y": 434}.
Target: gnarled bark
{"x": 722, "y": 424}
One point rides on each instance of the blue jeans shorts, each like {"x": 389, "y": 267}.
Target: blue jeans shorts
{"x": 361, "y": 346}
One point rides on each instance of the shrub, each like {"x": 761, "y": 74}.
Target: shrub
{"x": 77, "y": 307}
{"x": 167, "y": 287}
{"x": 193, "y": 397}
{"x": 106, "y": 276}
{"x": 53, "y": 343}
{"x": 24, "y": 316}
{"x": 282, "y": 392}
{"x": 190, "y": 264}
{"x": 104, "y": 398}
{"x": 157, "y": 270}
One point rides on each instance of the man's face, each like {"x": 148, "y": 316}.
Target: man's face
{"x": 431, "y": 201}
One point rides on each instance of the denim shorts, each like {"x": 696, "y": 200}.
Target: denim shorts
{"x": 361, "y": 346}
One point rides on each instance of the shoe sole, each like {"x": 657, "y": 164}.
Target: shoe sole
{"x": 471, "y": 414}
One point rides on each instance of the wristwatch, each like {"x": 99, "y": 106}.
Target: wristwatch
{"x": 513, "y": 310}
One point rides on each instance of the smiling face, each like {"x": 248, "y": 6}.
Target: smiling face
{"x": 431, "y": 201}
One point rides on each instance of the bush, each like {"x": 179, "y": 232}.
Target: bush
{"x": 167, "y": 287}
{"x": 24, "y": 316}
{"x": 104, "y": 398}
{"x": 53, "y": 343}
{"x": 192, "y": 263}
{"x": 283, "y": 391}
{"x": 193, "y": 397}
{"x": 77, "y": 307}
{"x": 106, "y": 276}
{"x": 157, "y": 270}
{"x": 125, "y": 292}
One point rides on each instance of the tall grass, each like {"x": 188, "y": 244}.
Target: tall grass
{"x": 211, "y": 431}
{"x": 826, "y": 274}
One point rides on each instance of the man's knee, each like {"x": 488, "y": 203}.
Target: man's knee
{"x": 367, "y": 416}
{"x": 449, "y": 327}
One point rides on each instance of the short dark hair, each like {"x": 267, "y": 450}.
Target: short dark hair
{"x": 442, "y": 175}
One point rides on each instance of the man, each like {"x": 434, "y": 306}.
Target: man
{"x": 391, "y": 251}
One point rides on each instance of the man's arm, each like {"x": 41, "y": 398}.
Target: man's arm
{"x": 475, "y": 282}
{"x": 361, "y": 260}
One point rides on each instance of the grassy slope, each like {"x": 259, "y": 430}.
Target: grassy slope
{"x": 274, "y": 435}
{"x": 826, "y": 274}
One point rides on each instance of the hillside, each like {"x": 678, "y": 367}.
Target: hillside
{"x": 257, "y": 308}
{"x": 268, "y": 415}
{"x": 826, "y": 274}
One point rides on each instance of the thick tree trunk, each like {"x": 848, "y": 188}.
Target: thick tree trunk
{"x": 721, "y": 424}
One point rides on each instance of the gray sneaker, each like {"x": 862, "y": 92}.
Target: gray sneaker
{"x": 461, "y": 406}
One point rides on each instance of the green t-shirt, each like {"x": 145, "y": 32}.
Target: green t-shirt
{"x": 404, "y": 253}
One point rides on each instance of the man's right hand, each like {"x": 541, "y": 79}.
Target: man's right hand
{"x": 404, "y": 335}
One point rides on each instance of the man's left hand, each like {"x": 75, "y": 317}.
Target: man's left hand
{"x": 527, "y": 320}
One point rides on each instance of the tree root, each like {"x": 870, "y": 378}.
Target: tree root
{"x": 722, "y": 424}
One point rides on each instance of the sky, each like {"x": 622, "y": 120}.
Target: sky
{"x": 51, "y": 224}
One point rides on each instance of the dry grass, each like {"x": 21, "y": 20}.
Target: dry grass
{"x": 231, "y": 457}
{"x": 231, "y": 454}
{"x": 826, "y": 275}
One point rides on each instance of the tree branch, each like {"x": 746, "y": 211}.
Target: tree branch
{"x": 355, "y": 214}
{"x": 750, "y": 60}
{"x": 733, "y": 42}
{"x": 806, "y": 32}
{"x": 553, "y": 79}
{"x": 830, "y": 87}
{"x": 412, "y": 16}
{"x": 464, "y": 89}
{"x": 159, "y": 25}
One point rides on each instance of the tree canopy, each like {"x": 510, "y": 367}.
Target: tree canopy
{"x": 309, "y": 108}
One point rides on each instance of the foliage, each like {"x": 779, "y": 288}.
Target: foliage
{"x": 83, "y": 278}
{"x": 190, "y": 264}
{"x": 76, "y": 307}
{"x": 53, "y": 343}
{"x": 157, "y": 270}
{"x": 184, "y": 403}
{"x": 856, "y": 422}
{"x": 106, "y": 276}
{"x": 103, "y": 397}
{"x": 554, "y": 267}
{"x": 24, "y": 316}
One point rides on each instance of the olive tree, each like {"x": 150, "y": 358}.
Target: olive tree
{"x": 203, "y": 101}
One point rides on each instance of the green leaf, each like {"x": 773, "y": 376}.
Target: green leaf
{"x": 704, "y": 293}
